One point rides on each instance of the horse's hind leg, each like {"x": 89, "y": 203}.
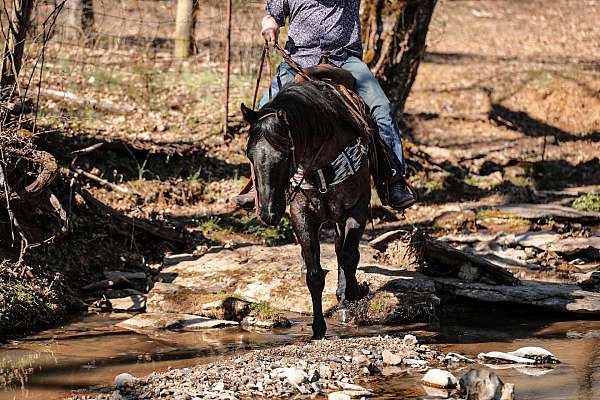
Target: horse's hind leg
{"x": 347, "y": 239}
{"x": 306, "y": 228}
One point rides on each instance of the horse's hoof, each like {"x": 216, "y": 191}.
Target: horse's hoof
{"x": 320, "y": 336}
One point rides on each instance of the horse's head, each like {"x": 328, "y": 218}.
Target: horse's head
{"x": 269, "y": 150}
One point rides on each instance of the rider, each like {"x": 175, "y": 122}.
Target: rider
{"x": 332, "y": 28}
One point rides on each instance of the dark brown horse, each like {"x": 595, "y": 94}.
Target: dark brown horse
{"x": 308, "y": 128}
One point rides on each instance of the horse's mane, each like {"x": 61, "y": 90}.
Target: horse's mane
{"x": 313, "y": 110}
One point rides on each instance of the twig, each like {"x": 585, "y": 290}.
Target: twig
{"x": 86, "y": 150}
{"x": 103, "y": 182}
{"x": 4, "y": 184}
{"x": 11, "y": 216}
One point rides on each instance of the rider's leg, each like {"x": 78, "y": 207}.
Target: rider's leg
{"x": 368, "y": 88}
{"x": 283, "y": 75}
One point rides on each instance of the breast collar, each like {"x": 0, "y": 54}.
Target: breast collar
{"x": 346, "y": 164}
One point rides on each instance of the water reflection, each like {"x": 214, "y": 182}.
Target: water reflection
{"x": 92, "y": 351}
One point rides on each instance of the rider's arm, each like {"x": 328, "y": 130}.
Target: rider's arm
{"x": 275, "y": 18}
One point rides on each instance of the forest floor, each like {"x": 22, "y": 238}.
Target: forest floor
{"x": 505, "y": 110}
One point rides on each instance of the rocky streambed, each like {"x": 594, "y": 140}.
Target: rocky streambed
{"x": 338, "y": 369}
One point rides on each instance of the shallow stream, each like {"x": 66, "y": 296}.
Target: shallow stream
{"x": 90, "y": 351}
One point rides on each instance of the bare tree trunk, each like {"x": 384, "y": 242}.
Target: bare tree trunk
{"x": 184, "y": 28}
{"x": 12, "y": 53}
{"x": 394, "y": 34}
{"x": 80, "y": 15}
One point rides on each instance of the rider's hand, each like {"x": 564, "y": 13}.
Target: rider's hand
{"x": 270, "y": 30}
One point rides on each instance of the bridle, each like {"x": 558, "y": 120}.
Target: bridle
{"x": 292, "y": 190}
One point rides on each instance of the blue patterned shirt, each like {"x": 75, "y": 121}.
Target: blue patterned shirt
{"x": 317, "y": 26}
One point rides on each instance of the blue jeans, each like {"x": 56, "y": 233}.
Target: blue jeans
{"x": 368, "y": 88}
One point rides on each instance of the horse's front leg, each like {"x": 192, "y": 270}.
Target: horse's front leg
{"x": 306, "y": 226}
{"x": 347, "y": 240}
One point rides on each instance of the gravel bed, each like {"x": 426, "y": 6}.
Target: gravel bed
{"x": 302, "y": 370}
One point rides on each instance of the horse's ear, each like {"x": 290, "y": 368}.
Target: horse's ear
{"x": 250, "y": 116}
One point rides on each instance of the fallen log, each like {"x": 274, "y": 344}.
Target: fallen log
{"x": 101, "y": 105}
{"x": 549, "y": 296}
{"x": 437, "y": 258}
{"x": 442, "y": 258}
{"x": 169, "y": 234}
{"x": 540, "y": 211}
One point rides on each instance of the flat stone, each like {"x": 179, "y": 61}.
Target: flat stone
{"x": 293, "y": 376}
{"x": 339, "y": 396}
{"x": 202, "y": 301}
{"x": 201, "y": 323}
{"x": 390, "y": 358}
{"x": 574, "y": 245}
{"x": 150, "y": 321}
{"x": 501, "y": 357}
{"x": 272, "y": 275}
{"x": 440, "y": 379}
{"x": 544, "y": 295}
{"x": 158, "y": 321}
{"x": 177, "y": 258}
{"x": 354, "y": 390}
{"x": 538, "y": 354}
{"x": 134, "y": 303}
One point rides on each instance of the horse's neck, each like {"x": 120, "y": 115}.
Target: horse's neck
{"x": 324, "y": 150}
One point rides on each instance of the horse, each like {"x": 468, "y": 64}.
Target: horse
{"x": 306, "y": 144}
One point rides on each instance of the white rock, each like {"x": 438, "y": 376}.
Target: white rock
{"x": 414, "y": 363}
{"x": 439, "y": 379}
{"x": 538, "y": 354}
{"x": 293, "y": 376}
{"x": 390, "y": 358}
{"x": 410, "y": 340}
{"x": 219, "y": 386}
{"x": 339, "y": 396}
{"x": 481, "y": 384}
{"x": 325, "y": 371}
{"x": 437, "y": 393}
{"x": 124, "y": 379}
{"x": 200, "y": 323}
{"x": 499, "y": 356}
{"x": 130, "y": 303}
{"x": 354, "y": 390}
{"x": 458, "y": 357}
{"x": 534, "y": 371}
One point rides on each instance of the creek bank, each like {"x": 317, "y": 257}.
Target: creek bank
{"x": 257, "y": 285}
{"x": 255, "y": 281}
